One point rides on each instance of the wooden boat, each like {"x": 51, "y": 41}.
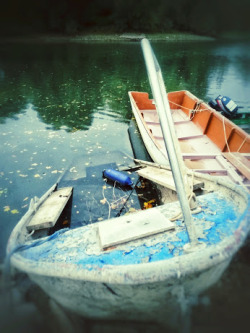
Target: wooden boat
{"x": 134, "y": 266}
{"x": 143, "y": 266}
{"x": 209, "y": 142}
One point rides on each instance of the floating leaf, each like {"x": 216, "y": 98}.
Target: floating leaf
{"x": 25, "y": 199}
{"x": 37, "y": 175}
{"x": 6, "y": 208}
{"x": 149, "y": 204}
{"x": 103, "y": 201}
{"x": 14, "y": 211}
{"x": 3, "y": 191}
{"x": 21, "y": 175}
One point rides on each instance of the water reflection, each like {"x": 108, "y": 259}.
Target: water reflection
{"x": 67, "y": 83}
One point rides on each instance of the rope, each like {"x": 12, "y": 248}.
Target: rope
{"x": 184, "y": 107}
{"x": 225, "y": 135}
{"x": 196, "y": 109}
{"x": 193, "y": 211}
{"x": 226, "y": 141}
{"x": 119, "y": 213}
{"x": 242, "y": 144}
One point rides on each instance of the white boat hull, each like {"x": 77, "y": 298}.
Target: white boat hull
{"x": 144, "y": 302}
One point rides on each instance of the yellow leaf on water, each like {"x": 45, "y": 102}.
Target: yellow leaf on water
{"x": 14, "y": 211}
{"x": 25, "y": 199}
{"x": 6, "y": 208}
{"x": 37, "y": 175}
{"x": 103, "y": 201}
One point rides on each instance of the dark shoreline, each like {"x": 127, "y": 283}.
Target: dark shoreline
{"x": 104, "y": 37}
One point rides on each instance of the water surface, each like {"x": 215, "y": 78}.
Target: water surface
{"x": 64, "y": 101}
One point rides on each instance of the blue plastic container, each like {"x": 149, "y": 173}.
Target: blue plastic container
{"x": 117, "y": 176}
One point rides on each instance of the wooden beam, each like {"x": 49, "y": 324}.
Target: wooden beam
{"x": 49, "y": 212}
{"x": 195, "y": 156}
{"x": 164, "y": 178}
{"x": 240, "y": 162}
{"x": 187, "y": 137}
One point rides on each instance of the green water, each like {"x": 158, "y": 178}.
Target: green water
{"x": 62, "y": 101}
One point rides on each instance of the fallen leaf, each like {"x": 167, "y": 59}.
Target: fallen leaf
{"x": 6, "y": 208}
{"x": 103, "y": 201}
{"x": 14, "y": 211}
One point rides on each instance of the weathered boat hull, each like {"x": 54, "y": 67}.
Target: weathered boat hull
{"x": 140, "y": 291}
{"x": 142, "y": 302}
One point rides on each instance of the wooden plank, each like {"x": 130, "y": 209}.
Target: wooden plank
{"x": 133, "y": 226}
{"x": 182, "y": 122}
{"x": 164, "y": 177}
{"x": 190, "y": 137}
{"x": 222, "y": 172}
{"x": 49, "y": 212}
{"x": 230, "y": 169}
{"x": 240, "y": 162}
{"x": 195, "y": 156}
{"x": 179, "y": 115}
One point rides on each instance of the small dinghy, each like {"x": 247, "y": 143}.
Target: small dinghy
{"x": 208, "y": 142}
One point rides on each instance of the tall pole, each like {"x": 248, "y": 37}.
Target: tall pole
{"x": 169, "y": 136}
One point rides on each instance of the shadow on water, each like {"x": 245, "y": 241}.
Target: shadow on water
{"x": 60, "y": 102}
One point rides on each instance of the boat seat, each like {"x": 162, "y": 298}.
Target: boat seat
{"x": 133, "y": 226}
{"x": 49, "y": 212}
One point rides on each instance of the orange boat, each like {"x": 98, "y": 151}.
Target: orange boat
{"x": 209, "y": 142}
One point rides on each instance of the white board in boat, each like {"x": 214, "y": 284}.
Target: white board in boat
{"x": 133, "y": 226}
{"x": 50, "y": 210}
{"x": 164, "y": 177}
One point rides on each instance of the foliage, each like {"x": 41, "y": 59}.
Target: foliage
{"x": 76, "y": 16}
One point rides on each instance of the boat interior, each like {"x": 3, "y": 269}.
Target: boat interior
{"x": 209, "y": 142}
